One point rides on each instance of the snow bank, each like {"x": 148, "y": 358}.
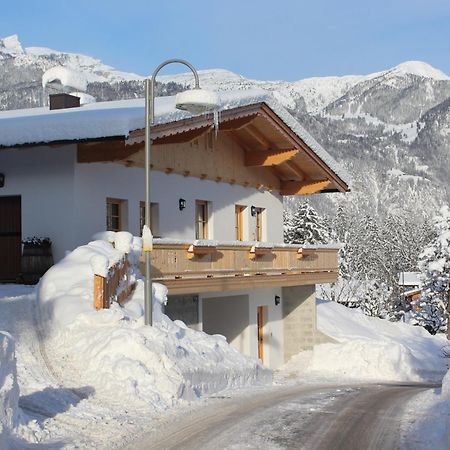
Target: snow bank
{"x": 372, "y": 349}
{"x": 121, "y": 358}
{"x": 431, "y": 425}
{"x": 9, "y": 389}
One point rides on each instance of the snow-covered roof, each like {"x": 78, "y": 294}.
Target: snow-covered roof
{"x": 409, "y": 279}
{"x": 119, "y": 118}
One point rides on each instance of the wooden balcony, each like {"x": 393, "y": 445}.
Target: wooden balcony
{"x": 193, "y": 268}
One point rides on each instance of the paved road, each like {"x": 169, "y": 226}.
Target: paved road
{"x": 365, "y": 417}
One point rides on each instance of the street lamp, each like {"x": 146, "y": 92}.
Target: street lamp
{"x": 195, "y": 101}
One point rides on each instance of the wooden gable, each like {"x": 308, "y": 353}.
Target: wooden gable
{"x": 251, "y": 147}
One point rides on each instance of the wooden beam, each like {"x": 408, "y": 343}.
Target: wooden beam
{"x": 303, "y": 187}
{"x": 233, "y": 283}
{"x": 296, "y": 169}
{"x": 268, "y": 157}
{"x": 180, "y": 138}
{"x": 237, "y": 124}
{"x": 256, "y": 134}
{"x": 104, "y": 151}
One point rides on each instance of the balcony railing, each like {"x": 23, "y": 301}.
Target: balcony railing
{"x": 206, "y": 266}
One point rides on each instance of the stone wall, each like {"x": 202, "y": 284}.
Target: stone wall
{"x": 299, "y": 319}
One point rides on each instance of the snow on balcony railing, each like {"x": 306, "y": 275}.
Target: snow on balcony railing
{"x": 114, "y": 279}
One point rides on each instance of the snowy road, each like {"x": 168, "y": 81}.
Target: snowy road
{"x": 302, "y": 417}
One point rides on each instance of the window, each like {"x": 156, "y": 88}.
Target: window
{"x": 239, "y": 222}
{"x": 259, "y": 224}
{"x": 154, "y": 218}
{"x": 115, "y": 210}
{"x": 201, "y": 219}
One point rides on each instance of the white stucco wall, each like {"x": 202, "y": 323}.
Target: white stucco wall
{"x": 43, "y": 177}
{"x": 247, "y": 341}
{"x": 66, "y": 201}
{"x": 95, "y": 182}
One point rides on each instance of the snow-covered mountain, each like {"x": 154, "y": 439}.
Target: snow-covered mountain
{"x": 22, "y": 70}
{"x": 391, "y": 128}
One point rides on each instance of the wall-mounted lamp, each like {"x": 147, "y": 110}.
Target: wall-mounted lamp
{"x": 277, "y": 300}
{"x": 181, "y": 204}
{"x": 253, "y": 211}
{"x": 2, "y": 180}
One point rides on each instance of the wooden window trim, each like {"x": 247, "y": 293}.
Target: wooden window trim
{"x": 239, "y": 222}
{"x": 259, "y": 224}
{"x": 119, "y": 202}
{"x": 204, "y": 220}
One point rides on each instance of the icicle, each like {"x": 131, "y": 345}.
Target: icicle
{"x": 217, "y": 114}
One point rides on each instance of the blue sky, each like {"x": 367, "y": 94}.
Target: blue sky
{"x": 277, "y": 39}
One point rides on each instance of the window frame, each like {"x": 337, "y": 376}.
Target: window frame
{"x": 109, "y": 216}
{"x": 239, "y": 211}
{"x": 154, "y": 217}
{"x": 259, "y": 224}
{"x": 204, "y": 220}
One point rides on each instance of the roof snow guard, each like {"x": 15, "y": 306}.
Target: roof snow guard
{"x": 125, "y": 118}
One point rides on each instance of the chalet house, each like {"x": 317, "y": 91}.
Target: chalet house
{"x": 410, "y": 285}
{"x": 217, "y": 190}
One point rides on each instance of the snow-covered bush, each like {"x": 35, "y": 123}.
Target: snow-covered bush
{"x": 9, "y": 389}
{"x": 376, "y": 301}
{"x": 430, "y": 311}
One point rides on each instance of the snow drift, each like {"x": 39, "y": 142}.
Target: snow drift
{"x": 9, "y": 389}
{"x": 121, "y": 358}
{"x": 431, "y": 410}
{"x": 371, "y": 349}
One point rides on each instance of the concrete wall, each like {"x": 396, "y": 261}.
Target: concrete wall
{"x": 248, "y": 342}
{"x": 299, "y": 319}
{"x": 228, "y": 316}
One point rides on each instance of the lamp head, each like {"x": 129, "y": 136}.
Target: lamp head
{"x": 197, "y": 101}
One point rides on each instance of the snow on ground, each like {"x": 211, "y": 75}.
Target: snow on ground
{"x": 120, "y": 357}
{"x": 429, "y": 423}
{"x": 91, "y": 379}
{"x": 9, "y": 389}
{"x": 370, "y": 349}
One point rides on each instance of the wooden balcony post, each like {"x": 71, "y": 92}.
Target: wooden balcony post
{"x": 99, "y": 292}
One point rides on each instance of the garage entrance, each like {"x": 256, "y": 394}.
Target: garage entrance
{"x": 10, "y": 238}
{"x": 228, "y": 316}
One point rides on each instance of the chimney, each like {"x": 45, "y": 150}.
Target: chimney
{"x": 63, "y": 101}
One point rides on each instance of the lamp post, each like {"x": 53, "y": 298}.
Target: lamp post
{"x": 195, "y": 101}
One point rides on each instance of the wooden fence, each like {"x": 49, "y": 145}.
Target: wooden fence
{"x": 115, "y": 287}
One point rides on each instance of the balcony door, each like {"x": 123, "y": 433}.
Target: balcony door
{"x": 10, "y": 237}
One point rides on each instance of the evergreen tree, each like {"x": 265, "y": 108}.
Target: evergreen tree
{"x": 431, "y": 310}
{"x": 305, "y": 226}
